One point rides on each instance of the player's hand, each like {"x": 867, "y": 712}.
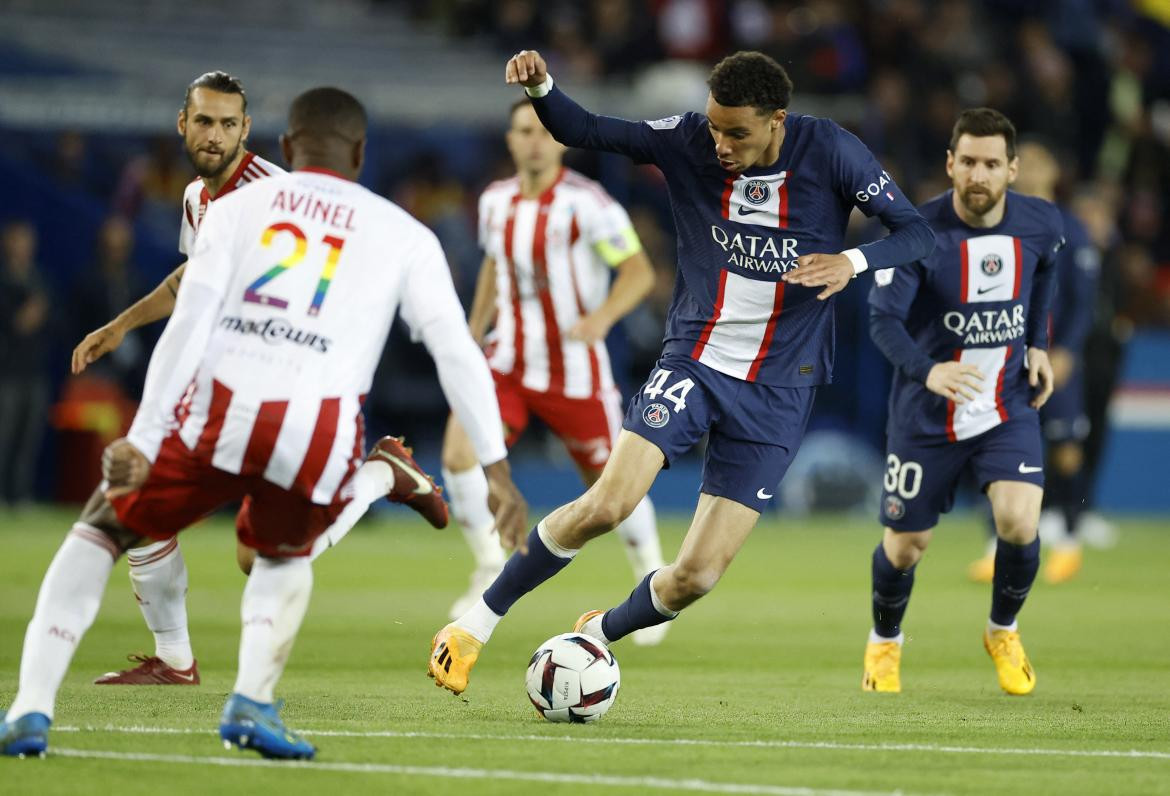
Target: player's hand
{"x": 954, "y": 381}
{"x": 124, "y": 468}
{"x": 831, "y": 271}
{"x": 97, "y": 344}
{"x": 508, "y": 506}
{"x": 589, "y": 329}
{"x": 1063, "y": 363}
{"x": 526, "y": 68}
{"x": 1039, "y": 376}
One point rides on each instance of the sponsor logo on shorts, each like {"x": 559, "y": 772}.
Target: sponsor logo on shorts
{"x": 656, "y": 415}
{"x": 895, "y": 509}
{"x": 992, "y": 264}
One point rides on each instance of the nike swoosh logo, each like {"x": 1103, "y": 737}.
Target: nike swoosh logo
{"x": 422, "y": 485}
{"x": 1025, "y": 469}
{"x": 762, "y": 495}
{"x": 189, "y": 677}
{"x": 983, "y": 290}
{"x": 743, "y": 211}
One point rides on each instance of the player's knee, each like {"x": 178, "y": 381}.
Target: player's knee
{"x": 457, "y": 460}
{"x": 245, "y": 557}
{"x": 604, "y": 508}
{"x": 904, "y": 556}
{"x": 692, "y": 582}
{"x": 905, "y": 549}
{"x": 1067, "y": 459}
{"x": 1016, "y": 523}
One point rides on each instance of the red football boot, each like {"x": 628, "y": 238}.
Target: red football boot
{"x": 151, "y": 671}
{"x": 412, "y": 486}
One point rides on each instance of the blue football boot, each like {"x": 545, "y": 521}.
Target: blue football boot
{"x": 28, "y": 735}
{"x": 255, "y": 725}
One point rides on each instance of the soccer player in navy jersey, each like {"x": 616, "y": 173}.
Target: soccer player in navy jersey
{"x": 966, "y": 330}
{"x": 760, "y": 198}
{"x": 1063, "y": 418}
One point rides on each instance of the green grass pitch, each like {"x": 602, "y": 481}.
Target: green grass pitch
{"x": 755, "y": 691}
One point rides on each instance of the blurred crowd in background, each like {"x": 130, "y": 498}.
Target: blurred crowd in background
{"x": 1091, "y": 78}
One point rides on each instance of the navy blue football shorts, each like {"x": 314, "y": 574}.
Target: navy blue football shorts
{"x": 922, "y": 474}
{"x": 1063, "y": 414}
{"x": 754, "y": 430}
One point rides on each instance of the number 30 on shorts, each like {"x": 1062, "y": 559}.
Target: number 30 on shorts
{"x": 675, "y": 393}
{"x": 902, "y": 478}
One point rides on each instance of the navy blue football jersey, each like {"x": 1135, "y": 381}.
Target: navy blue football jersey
{"x": 982, "y": 297}
{"x": 738, "y": 233}
{"x": 1078, "y": 266}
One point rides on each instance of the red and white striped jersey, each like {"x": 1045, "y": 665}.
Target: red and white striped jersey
{"x": 550, "y": 272}
{"x": 196, "y": 197}
{"x": 293, "y": 283}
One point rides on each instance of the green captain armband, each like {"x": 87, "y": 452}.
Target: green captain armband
{"x": 617, "y": 248}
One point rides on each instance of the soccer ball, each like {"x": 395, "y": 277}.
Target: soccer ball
{"x": 573, "y": 677}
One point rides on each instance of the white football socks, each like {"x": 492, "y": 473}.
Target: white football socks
{"x": 275, "y": 601}
{"x": 639, "y": 532}
{"x": 373, "y": 480}
{"x": 67, "y": 604}
{"x": 158, "y": 575}
{"x": 467, "y": 492}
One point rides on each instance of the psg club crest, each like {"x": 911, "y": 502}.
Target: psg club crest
{"x": 895, "y": 508}
{"x": 656, "y": 415}
{"x": 992, "y": 264}
{"x": 756, "y": 192}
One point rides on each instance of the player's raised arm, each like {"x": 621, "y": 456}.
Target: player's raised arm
{"x": 574, "y": 126}
{"x": 155, "y": 305}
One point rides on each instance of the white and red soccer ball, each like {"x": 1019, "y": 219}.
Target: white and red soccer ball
{"x": 573, "y": 678}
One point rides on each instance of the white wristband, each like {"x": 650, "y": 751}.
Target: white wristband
{"x": 858, "y": 259}
{"x": 536, "y": 92}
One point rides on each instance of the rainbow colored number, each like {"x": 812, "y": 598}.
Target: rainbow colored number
{"x": 253, "y": 295}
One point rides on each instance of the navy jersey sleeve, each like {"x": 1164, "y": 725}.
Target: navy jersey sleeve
{"x": 890, "y": 299}
{"x": 861, "y": 181}
{"x": 1044, "y": 285}
{"x": 572, "y": 125}
{"x": 1078, "y": 266}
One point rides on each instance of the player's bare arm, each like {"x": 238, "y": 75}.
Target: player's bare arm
{"x": 507, "y": 505}
{"x": 124, "y": 468}
{"x": 954, "y": 381}
{"x": 483, "y": 306}
{"x": 635, "y": 279}
{"x": 1039, "y": 376}
{"x": 527, "y": 68}
{"x": 154, "y": 306}
{"x": 830, "y": 271}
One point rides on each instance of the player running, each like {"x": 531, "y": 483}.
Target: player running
{"x": 550, "y": 239}
{"x": 966, "y": 330}
{"x": 281, "y": 357}
{"x": 760, "y": 199}
{"x": 1063, "y": 417}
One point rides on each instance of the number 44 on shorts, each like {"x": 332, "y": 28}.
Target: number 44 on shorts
{"x": 675, "y": 393}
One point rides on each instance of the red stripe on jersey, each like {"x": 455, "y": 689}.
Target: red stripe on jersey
{"x": 221, "y": 397}
{"x": 320, "y": 446}
{"x": 233, "y": 181}
{"x": 726, "y": 201}
{"x": 782, "y": 209}
{"x": 257, "y": 166}
{"x": 1019, "y": 267}
{"x": 263, "y": 438}
{"x": 190, "y": 218}
{"x": 958, "y": 355}
{"x": 552, "y": 331}
{"x": 777, "y": 308}
{"x": 964, "y": 265}
{"x": 594, "y": 363}
{"x": 1003, "y": 415}
{"x": 517, "y": 315}
{"x": 706, "y": 335}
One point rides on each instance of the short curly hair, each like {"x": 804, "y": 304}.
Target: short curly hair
{"x": 750, "y": 79}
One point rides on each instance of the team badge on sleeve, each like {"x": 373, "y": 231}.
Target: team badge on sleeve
{"x": 669, "y": 123}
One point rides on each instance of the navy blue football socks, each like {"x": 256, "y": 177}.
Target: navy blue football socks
{"x": 635, "y": 613}
{"x": 891, "y": 594}
{"x": 522, "y": 574}
{"x": 1015, "y": 569}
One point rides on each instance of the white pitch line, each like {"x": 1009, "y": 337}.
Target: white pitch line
{"x": 661, "y": 783}
{"x": 1134, "y": 754}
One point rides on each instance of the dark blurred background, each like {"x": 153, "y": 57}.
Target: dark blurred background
{"x": 92, "y": 174}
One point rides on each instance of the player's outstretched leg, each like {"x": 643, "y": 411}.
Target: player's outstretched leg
{"x": 389, "y": 471}
{"x": 158, "y": 576}
{"x": 552, "y": 544}
{"x": 67, "y": 604}
{"x": 274, "y": 603}
{"x": 892, "y": 572}
{"x": 718, "y": 530}
{"x": 1016, "y": 506}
